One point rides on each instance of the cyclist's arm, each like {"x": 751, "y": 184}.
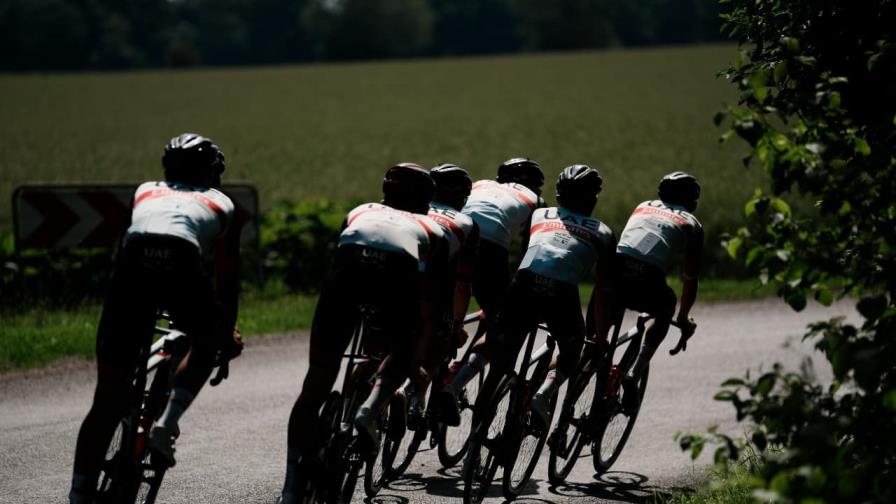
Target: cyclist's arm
{"x": 690, "y": 274}
{"x": 426, "y": 290}
{"x": 602, "y": 287}
{"x": 462, "y": 286}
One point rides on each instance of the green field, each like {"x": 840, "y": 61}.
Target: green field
{"x": 331, "y": 130}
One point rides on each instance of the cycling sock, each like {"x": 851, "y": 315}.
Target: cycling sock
{"x": 643, "y": 359}
{"x": 178, "y": 403}
{"x": 469, "y": 370}
{"x": 379, "y": 396}
{"x": 551, "y": 382}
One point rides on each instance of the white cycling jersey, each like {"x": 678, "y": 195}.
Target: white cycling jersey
{"x": 382, "y": 227}
{"x": 197, "y": 214}
{"x": 457, "y": 226}
{"x": 501, "y": 209}
{"x": 657, "y": 231}
{"x": 564, "y": 245}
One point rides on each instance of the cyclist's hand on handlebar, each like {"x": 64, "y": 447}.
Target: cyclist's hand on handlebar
{"x": 233, "y": 346}
{"x": 687, "y": 326}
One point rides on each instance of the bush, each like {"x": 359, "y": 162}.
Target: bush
{"x": 818, "y": 109}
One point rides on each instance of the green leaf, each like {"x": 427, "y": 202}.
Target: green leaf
{"x": 781, "y": 206}
{"x": 780, "y": 71}
{"x": 796, "y": 300}
{"x": 889, "y": 400}
{"x": 725, "y": 395}
{"x": 824, "y": 296}
{"x": 862, "y": 146}
{"x": 733, "y": 246}
{"x": 733, "y": 382}
{"x": 765, "y": 384}
{"x": 752, "y": 255}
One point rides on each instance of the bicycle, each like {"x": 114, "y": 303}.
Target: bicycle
{"x": 129, "y": 473}
{"x": 343, "y": 455}
{"x": 592, "y": 411}
{"x": 452, "y": 442}
{"x": 507, "y": 435}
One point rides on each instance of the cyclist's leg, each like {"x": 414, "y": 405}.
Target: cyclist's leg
{"x": 662, "y": 306}
{"x": 563, "y": 315}
{"x": 334, "y": 320}
{"x": 125, "y": 324}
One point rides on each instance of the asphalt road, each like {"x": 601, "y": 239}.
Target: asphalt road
{"x": 232, "y": 449}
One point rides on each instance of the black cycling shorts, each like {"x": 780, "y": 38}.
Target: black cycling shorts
{"x": 641, "y": 286}
{"x": 386, "y": 282}
{"x": 156, "y": 272}
{"x": 531, "y": 299}
{"x": 491, "y": 276}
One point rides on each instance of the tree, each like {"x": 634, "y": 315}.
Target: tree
{"x": 818, "y": 109}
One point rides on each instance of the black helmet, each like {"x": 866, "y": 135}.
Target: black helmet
{"x": 453, "y": 184}
{"x": 680, "y": 188}
{"x": 577, "y": 188}
{"x": 193, "y": 159}
{"x": 408, "y": 186}
{"x": 523, "y": 171}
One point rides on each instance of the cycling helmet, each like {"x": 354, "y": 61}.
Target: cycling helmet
{"x": 193, "y": 159}
{"x": 577, "y": 188}
{"x": 523, "y": 171}
{"x": 453, "y": 184}
{"x": 680, "y": 188}
{"x": 408, "y": 186}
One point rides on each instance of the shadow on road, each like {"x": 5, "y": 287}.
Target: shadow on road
{"x": 618, "y": 486}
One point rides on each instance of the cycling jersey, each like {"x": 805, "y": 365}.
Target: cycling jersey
{"x": 196, "y": 214}
{"x": 381, "y": 227}
{"x": 457, "y": 225}
{"x": 563, "y": 245}
{"x": 657, "y": 231}
{"x": 501, "y": 209}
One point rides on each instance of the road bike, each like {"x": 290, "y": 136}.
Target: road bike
{"x": 451, "y": 441}
{"x": 592, "y": 411}
{"x": 129, "y": 472}
{"x": 507, "y": 435}
{"x": 343, "y": 454}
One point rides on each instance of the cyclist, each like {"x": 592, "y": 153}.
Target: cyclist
{"x": 565, "y": 242}
{"x": 452, "y": 188}
{"x": 656, "y": 232}
{"x": 501, "y": 209}
{"x": 386, "y": 256}
{"x": 174, "y": 226}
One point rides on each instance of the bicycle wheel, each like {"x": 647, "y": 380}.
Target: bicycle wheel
{"x": 615, "y": 428}
{"x": 571, "y": 433}
{"x": 118, "y": 475}
{"x": 487, "y": 445}
{"x": 525, "y": 445}
{"x": 326, "y": 488}
{"x": 454, "y": 441}
{"x": 402, "y": 442}
{"x": 376, "y": 467}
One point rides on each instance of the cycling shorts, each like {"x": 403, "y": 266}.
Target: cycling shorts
{"x": 491, "y": 276}
{"x": 386, "y": 282}
{"x": 156, "y": 272}
{"x": 531, "y": 299}
{"x": 641, "y": 286}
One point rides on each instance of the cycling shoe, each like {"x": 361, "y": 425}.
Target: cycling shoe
{"x": 161, "y": 445}
{"x": 630, "y": 395}
{"x": 448, "y": 408}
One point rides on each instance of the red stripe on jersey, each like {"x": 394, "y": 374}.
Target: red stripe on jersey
{"x": 448, "y": 223}
{"x": 560, "y": 227}
{"x": 362, "y": 212}
{"x": 681, "y": 221}
{"x": 517, "y": 194}
{"x": 162, "y": 192}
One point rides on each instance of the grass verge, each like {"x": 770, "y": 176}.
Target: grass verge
{"x": 732, "y": 486}
{"x": 42, "y": 334}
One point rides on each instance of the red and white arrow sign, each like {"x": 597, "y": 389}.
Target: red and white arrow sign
{"x": 78, "y": 216}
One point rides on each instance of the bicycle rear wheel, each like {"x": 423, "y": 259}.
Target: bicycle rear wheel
{"x": 615, "y": 429}
{"x": 454, "y": 441}
{"x": 377, "y": 466}
{"x": 118, "y": 474}
{"x": 524, "y": 444}
{"x": 487, "y": 445}
{"x": 572, "y": 431}
{"x": 402, "y": 442}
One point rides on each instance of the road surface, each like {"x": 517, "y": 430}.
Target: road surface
{"x": 232, "y": 449}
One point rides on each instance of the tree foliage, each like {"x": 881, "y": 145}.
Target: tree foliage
{"x": 77, "y": 34}
{"x": 818, "y": 109}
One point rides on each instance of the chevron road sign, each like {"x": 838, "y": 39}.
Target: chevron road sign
{"x": 57, "y": 216}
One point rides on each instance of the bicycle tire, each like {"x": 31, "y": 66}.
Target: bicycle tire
{"x": 484, "y": 454}
{"x": 453, "y": 442}
{"x": 326, "y": 490}
{"x": 116, "y": 471}
{"x": 604, "y": 451}
{"x": 376, "y": 467}
{"x": 527, "y": 445}
{"x": 571, "y": 434}
{"x": 402, "y": 449}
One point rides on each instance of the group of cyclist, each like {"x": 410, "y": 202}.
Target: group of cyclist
{"x": 414, "y": 260}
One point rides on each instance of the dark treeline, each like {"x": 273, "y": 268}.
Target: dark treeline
{"x": 104, "y": 34}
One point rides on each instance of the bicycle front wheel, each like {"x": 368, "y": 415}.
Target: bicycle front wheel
{"x": 487, "y": 445}
{"x": 615, "y": 429}
{"x": 572, "y": 431}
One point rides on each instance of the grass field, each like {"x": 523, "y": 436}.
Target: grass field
{"x": 331, "y": 130}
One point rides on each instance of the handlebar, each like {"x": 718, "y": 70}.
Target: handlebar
{"x": 221, "y": 375}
